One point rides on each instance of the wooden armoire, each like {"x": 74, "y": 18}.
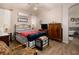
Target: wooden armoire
{"x": 55, "y": 31}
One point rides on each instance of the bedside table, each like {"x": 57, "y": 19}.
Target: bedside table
{"x": 5, "y": 37}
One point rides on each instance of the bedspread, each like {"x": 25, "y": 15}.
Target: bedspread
{"x": 26, "y": 33}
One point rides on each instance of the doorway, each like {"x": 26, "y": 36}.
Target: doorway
{"x": 73, "y": 24}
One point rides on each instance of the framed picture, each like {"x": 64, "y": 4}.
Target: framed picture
{"x": 72, "y": 19}
{"x": 22, "y": 17}
{"x": 75, "y": 19}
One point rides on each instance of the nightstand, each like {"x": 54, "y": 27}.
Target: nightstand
{"x": 5, "y": 37}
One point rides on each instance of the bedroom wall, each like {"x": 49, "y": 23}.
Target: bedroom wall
{"x": 8, "y": 18}
{"x": 14, "y": 18}
{"x": 52, "y": 14}
{"x": 35, "y": 22}
{"x": 65, "y": 21}
{"x": 32, "y": 18}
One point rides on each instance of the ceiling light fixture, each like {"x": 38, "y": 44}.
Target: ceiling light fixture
{"x": 35, "y": 8}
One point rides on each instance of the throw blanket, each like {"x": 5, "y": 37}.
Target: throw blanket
{"x": 36, "y": 36}
{"x": 4, "y": 49}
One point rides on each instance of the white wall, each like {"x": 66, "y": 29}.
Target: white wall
{"x": 35, "y": 22}
{"x": 9, "y": 19}
{"x": 14, "y": 18}
{"x": 65, "y": 21}
{"x": 65, "y": 24}
{"x": 54, "y": 14}
{"x": 32, "y": 19}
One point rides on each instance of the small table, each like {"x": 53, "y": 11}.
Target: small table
{"x": 5, "y": 37}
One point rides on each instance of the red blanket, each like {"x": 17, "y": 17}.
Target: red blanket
{"x": 28, "y": 33}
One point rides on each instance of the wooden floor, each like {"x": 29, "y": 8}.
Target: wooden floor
{"x": 56, "y": 48}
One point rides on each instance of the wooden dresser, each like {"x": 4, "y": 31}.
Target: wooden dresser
{"x": 5, "y": 38}
{"x": 55, "y": 31}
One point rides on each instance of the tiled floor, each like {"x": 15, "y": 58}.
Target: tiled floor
{"x": 56, "y": 48}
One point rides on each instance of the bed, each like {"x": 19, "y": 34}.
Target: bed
{"x": 27, "y": 36}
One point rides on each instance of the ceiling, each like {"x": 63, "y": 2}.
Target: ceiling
{"x": 33, "y": 8}
{"x": 29, "y": 6}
